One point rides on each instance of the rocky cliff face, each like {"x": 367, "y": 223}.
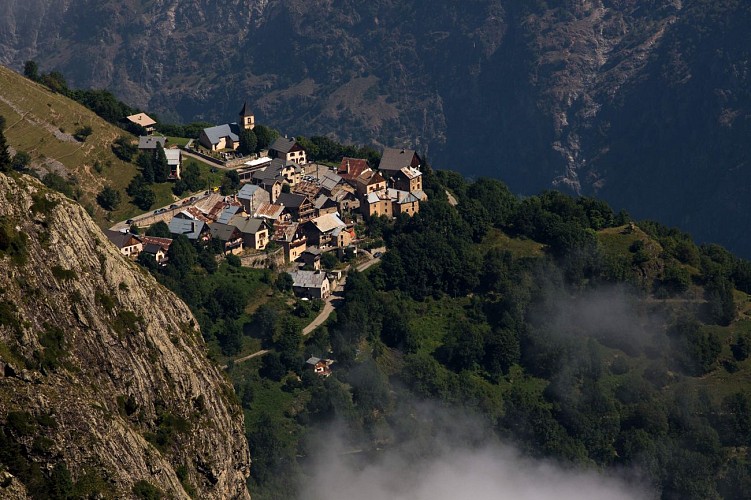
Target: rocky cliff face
{"x": 643, "y": 102}
{"x": 103, "y": 374}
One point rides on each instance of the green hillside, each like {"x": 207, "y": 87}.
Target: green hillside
{"x": 42, "y": 123}
{"x": 565, "y": 328}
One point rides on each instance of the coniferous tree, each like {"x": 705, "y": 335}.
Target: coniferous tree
{"x": 191, "y": 175}
{"x": 31, "y": 70}
{"x": 146, "y": 164}
{"x": 161, "y": 168}
{"x": 108, "y": 198}
{"x": 248, "y": 142}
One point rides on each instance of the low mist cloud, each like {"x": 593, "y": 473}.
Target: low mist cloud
{"x": 615, "y": 315}
{"x": 607, "y": 310}
{"x": 443, "y": 470}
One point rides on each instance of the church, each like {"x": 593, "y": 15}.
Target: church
{"x": 227, "y": 136}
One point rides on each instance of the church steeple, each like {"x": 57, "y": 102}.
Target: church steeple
{"x": 247, "y": 120}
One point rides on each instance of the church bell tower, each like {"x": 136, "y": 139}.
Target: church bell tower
{"x": 247, "y": 120}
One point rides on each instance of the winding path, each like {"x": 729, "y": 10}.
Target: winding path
{"x": 330, "y": 304}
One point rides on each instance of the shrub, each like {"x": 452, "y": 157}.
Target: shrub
{"x": 168, "y": 426}
{"x": 82, "y": 133}
{"x": 105, "y": 301}
{"x": 108, "y": 198}
{"x": 58, "y": 183}
{"x": 123, "y": 149}
{"x": 742, "y": 347}
{"x": 53, "y": 341}
{"x": 42, "y": 204}
{"x": 328, "y": 260}
{"x": 21, "y": 161}
{"x": 284, "y": 282}
{"x": 12, "y": 242}
{"x": 63, "y": 274}
{"x": 146, "y": 491}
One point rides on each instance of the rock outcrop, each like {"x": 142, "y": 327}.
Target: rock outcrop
{"x": 104, "y": 381}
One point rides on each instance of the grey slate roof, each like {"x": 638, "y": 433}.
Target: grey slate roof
{"x": 222, "y": 232}
{"x": 278, "y": 164}
{"x": 321, "y": 201}
{"x": 248, "y": 225}
{"x": 189, "y": 227}
{"x": 121, "y": 240}
{"x": 231, "y": 130}
{"x": 152, "y": 248}
{"x": 308, "y": 279}
{"x": 396, "y": 159}
{"x": 150, "y": 141}
{"x": 267, "y": 174}
{"x": 247, "y": 191}
{"x": 282, "y": 144}
{"x": 227, "y": 213}
{"x": 420, "y": 195}
{"x": 290, "y": 200}
{"x": 329, "y": 180}
{"x": 401, "y": 196}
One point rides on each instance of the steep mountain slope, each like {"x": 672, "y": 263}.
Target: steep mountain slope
{"x": 42, "y": 123}
{"x": 613, "y": 97}
{"x": 104, "y": 383}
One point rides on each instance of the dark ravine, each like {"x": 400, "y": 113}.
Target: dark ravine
{"x": 643, "y": 103}
{"x": 104, "y": 364}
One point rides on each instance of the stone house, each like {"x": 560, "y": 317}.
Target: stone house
{"x": 156, "y": 247}
{"x": 407, "y": 179}
{"x": 324, "y": 205}
{"x": 393, "y": 160}
{"x": 351, "y": 168}
{"x": 225, "y": 136}
{"x": 193, "y": 229}
{"x": 271, "y": 212}
{"x": 312, "y": 257}
{"x": 310, "y": 284}
{"x": 369, "y": 182}
{"x": 291, "y": 240}
{"x": 129, "y": 244}
{"x": 255, "y": 232}
{"x": 252, "y": 196}
{"x": 299, "y": 207}
{"x": 346, "y": 198}
{"x": 377, "y": 204}
{"x": 149, "y": 142}
{"x": 287, "y": 150}
{"x": 403, "y": 202}
{"x": 143, "y": 120}
{"x": 329, "y": 181}
{"x": 230, "y": 236}
{"x": 327, "y": 231}
{"x": 174, "y": 162}
{"x": 289, "y": 171}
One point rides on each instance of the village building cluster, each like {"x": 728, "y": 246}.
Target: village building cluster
{"x": 303, "y": 207}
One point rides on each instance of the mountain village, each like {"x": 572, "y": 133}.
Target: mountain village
{"x": 289, "y": 210}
